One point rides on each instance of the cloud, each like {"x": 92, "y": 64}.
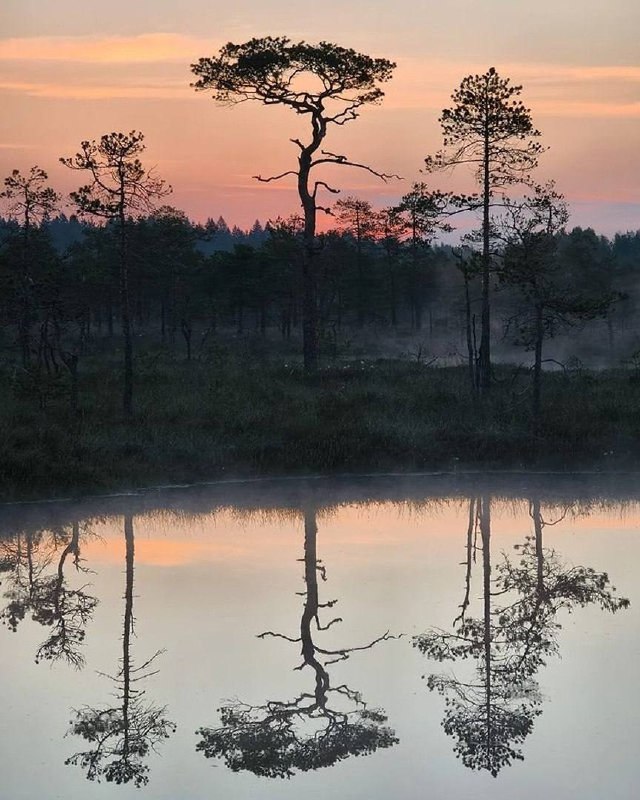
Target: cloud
{"x": 48, "y": 67}
{"x": 588, "y": 109}
{"x": 148, "y": 47}
{"x": 549, "y": 89}
{"x": 95, "y": 92}
{"x": 15, "y": 146}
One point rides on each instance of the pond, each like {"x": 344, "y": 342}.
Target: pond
{"x": 407, "y": 637}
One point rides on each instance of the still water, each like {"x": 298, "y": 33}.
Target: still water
{"x": 442, "y": 637}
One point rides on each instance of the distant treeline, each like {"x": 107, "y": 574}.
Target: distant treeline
{"x": 188, "y": 281}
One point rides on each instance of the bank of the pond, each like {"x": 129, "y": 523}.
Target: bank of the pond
{"x": 198, "y": 421}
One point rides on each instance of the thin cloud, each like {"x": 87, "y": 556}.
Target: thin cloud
{"x": 586, "y": 109}
{"x": 420, "y": 83}
{"x": 549, "y": 89}
{"x": 84, "y": 92}
{"x": 16, "y": 146}
{"x": 145, "y": 48}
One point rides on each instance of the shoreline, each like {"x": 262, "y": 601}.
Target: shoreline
{"x": 203, "y": 422}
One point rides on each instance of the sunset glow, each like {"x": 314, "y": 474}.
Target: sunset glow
{"x": 66, "y": 76}
{"x": 265, "y": 538}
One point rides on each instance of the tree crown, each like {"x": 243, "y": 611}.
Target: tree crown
{"x": 29, "y": 196}
{"x": 119, "y": 181}
{"x": 486, "y": 103}
{"x": 489, "y": 127}
{"x": 275, "y": 70}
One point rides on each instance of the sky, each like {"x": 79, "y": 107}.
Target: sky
{"x": 74, "y": 69}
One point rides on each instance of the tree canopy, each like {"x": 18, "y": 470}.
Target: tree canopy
{"x": 272, "y": 70}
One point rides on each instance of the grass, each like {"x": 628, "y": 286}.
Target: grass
{"x": 238, "y": 415}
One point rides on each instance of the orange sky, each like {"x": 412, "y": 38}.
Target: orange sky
{"x": 168, "y": 540}
{"x": 68, "y": 73}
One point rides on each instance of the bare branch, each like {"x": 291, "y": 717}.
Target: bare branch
{"x": 334, "y": 158}
{"x": 326, "y": 186}
{"x": 274, "y": 177}
{"x": 277, "y": 636}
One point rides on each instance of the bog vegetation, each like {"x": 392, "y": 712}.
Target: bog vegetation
{"x": 138, "y": 346}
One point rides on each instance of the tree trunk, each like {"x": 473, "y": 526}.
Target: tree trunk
{"x": 537, "y": 376}
{"x": 611, "y": 335}
{"x": 73, "y": 371}
{"x": 485, "y": 335}
{"x": 361, "y": 292}
{"x": 471, "y": 354}
{"x": 469, "y": 560}
{"x": 187, "y": 332}
{"x": 110, "y": 316}
{"x": 309, "y": 294}
{"x": 127, "y": 394}
{"x": 128, "y": 628}
{"x": 393, "y": 303}
{"x": 485, "y": 532}
{"x": 311, "y": 606}
{"x": 537, "y": 525}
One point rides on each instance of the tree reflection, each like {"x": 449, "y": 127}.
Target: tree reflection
{"x": 317, "y": 728}
{"x": 47, "y": 597}
{"x": 491, "y": 715}
{"x": 544, "y": 585}
{"x": 125, "y": 733}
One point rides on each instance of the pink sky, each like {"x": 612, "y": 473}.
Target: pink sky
{"x": 67, "y": 73}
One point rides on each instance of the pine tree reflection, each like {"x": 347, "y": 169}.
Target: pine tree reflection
{"x": 490, "y": 716}
{"x": 316, "y": 729}
{"x": 124, "y": 734}
{"x": 48, "y": 598}
{"x": 545, "y": 585}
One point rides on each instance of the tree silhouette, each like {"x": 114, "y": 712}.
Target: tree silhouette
{"x": 551, "y": 298}
{"x": 67, "y": 611}
{"x": 325, "y": 83}
{"x": 420, "y": 213}
{"x": 545, "y": 585}
{"x": 355, "y": 217}
{"x": 489, "y": 129}
{"x": 120, "y": 188}
{"x": 31, "y": 202}
{"x": 316, "y": 729}
{"x": 390, "y": 230}
{"x": 122, "y": 735}
{"x": 48, "y": 598}
{"x": 491, "y": 715}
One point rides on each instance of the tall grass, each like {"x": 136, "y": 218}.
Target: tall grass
{"x": 238, "y": 415}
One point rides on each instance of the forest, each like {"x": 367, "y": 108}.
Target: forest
{"x": 446, "y": 331}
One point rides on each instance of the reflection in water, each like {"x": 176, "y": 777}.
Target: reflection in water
{"x": 316, "y": 729}
{"x": 124, "y": 734}
{"x": 490, "y": 716}
{"x": 46, "y": 596}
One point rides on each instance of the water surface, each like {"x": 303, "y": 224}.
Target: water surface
{"x": 433, "y": 636}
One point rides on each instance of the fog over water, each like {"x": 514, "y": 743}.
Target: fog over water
{"x": 447, "y": 636}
